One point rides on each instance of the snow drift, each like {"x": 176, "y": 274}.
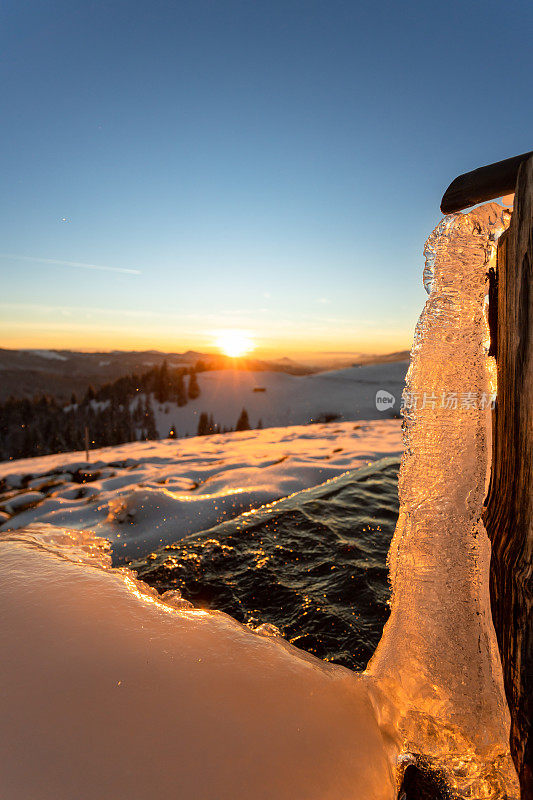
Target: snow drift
{"x": 110, "y": 691}
{"x": 145, "y": 494}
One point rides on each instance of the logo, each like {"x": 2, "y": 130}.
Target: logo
{"x": 384, "y": 400}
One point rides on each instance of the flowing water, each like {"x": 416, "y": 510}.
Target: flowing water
{"x": 313, "y": 565}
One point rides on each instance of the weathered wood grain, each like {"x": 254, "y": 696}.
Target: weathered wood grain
{"x": 508, "y": 513}
{"x": 485, "y": 183}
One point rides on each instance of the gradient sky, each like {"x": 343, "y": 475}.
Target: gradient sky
{"x": 172, "y": 169}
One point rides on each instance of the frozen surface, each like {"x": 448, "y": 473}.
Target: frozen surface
{"x": 145, "y": 494}
{"x": 438, "y": 656}
{"x": 114, "y": 693}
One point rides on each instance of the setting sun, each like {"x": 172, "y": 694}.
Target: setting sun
{"x": 234, "y": 343}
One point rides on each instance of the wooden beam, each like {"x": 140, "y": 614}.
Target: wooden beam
{"x": 508, "y": 514}
{"x": 485, "y": 183}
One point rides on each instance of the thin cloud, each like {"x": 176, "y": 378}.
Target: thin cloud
{"x": 69, "y": 310}
{"x": 76, "y": 264}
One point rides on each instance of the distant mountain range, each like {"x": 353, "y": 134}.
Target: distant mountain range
{"x": 25, "y": 373}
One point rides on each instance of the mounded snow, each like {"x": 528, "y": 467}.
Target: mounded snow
{"x": 115, "y": 693}
{"x": 144, "y": 494}
{"x": 21, "y": 501}
{"x": 51, "y": 355}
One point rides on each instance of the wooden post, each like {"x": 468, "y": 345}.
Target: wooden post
{"x": 86, "y": 443}
{"x": 508, "y": 514}
{"x": 484, "y": 183}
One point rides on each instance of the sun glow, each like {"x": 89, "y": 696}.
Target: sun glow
{"x": 234, "y": 343}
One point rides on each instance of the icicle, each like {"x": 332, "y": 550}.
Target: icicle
{"x": 438, "y": 659}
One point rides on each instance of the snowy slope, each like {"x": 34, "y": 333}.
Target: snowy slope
{"x": 287, "y": 399}
{"x": 143, "y": 494}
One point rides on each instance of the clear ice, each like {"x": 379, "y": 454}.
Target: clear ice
{"x": 112, "y": 691}
{"x": 438, "y": 659}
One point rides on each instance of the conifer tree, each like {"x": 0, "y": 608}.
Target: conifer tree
{"x": 194, "y": 389}
{"x": 149, "y": 421}
{"x": 89, "y": 395}
{"x": 203, "y": 424}
{"x": 162, "y": 383}
{"x": 181, "y": 394}
{"x": 243, "y": 423}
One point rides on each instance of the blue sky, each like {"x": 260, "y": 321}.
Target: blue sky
{"x": 273, "y": 167}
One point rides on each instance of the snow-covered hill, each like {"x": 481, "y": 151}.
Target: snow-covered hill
{"x": 279, "y": 399}
{"x": 143, "y": 494}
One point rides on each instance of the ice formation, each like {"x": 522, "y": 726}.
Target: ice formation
{"x": 438, "y": 657}
{"x": 111, "y": 691}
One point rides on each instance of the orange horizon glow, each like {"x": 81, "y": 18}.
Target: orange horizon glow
{"x": 262, "y": 346}
{"x": 234, "y": 343}
{"x": 260, "y": 350}
{"x": 102, "y": 330}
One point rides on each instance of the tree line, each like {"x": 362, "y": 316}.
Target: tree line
{"x": 42, "y": 426}
{"x": 207, "y": 425}
{"x": 166, "y": 384}
{"x": 113, "y": 414}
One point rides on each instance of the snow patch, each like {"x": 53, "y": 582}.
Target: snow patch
{"x": 116, "y": 692}
{"x": 51, "y": 355}
{"x": 144, "y": 494}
